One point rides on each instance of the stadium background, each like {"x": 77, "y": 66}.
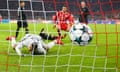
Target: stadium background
{"x": 98, "y": 8}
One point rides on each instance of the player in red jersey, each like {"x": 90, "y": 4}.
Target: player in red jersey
{"x": 63, "y": 20}
{"x": 0, "y": 18}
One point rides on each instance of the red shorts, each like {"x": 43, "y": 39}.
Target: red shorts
{"x": 63, "y": 26}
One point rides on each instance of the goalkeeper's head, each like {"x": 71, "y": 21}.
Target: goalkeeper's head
{"x": 22, "y": 3}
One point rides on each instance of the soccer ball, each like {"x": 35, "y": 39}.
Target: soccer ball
{"x": 81, "y": 34}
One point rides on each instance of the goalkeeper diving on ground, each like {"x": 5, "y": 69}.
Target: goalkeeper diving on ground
{"x": 34, "y": 43}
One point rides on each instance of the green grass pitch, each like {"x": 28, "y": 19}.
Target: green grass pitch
{"x": 66, "y": 58}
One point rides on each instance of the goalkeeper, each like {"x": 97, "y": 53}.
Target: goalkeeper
{"x": 33, "y": 42}
{"x": 22, "y": 22}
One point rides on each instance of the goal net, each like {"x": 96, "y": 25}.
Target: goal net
{"x": 101, "y": 55}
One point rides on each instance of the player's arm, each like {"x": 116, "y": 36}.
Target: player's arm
{"x": 55, "y": 17}
{"x": 17, "y": 49}
{"x": 71, "y": 21}
{"x": 49, "y": 45}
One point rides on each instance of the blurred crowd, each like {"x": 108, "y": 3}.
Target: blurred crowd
{"x": 44, "y": 9}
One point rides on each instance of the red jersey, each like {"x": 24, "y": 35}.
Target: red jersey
{"x": 0, "y": 18}
{"x": 63, "y": 17}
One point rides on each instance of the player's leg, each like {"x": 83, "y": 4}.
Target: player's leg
{"x": 51, "y": 44}
{"x": 62, "y": 26}
{"x": 18, "y": 28}
{"x": 18, "y": 47}
{"x": 58, "y": 26}
{"x": 25, "y": 25}
{"x": 59, "y": 32}
{"x": 26, "y": 30}
{"x": 17, "y": 32}
{"x": 44, "y": 35}
{"x": 83, "y": 19}
{"x": 80, "y": 19}
{"x": 42, "y": 48}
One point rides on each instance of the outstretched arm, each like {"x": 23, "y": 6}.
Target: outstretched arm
{"x": 55, "y": 19}
{"x": 17, "y": 49}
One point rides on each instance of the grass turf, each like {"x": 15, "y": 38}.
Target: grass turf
{"x": 66, "y": 58}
